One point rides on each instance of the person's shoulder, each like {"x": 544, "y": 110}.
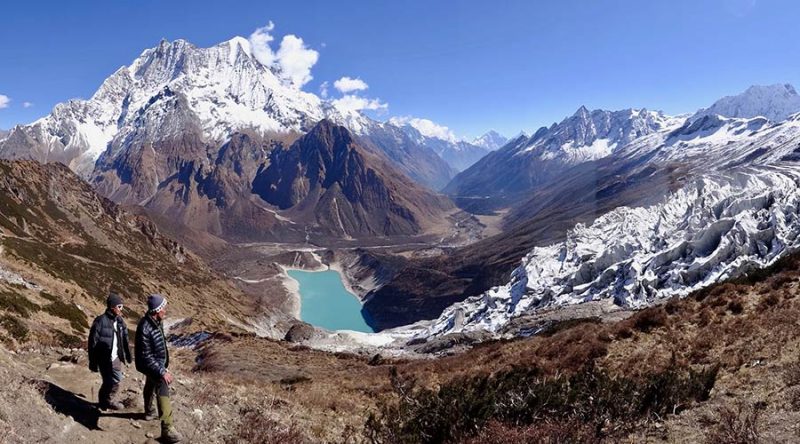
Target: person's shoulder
{"x": 142, "y": 322}
{"x": 98, "y": 319}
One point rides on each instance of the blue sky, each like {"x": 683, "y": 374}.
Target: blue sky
{"x": 469, "y": 65}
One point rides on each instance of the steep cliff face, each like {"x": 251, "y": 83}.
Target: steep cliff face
{"x": 347, "y": 188}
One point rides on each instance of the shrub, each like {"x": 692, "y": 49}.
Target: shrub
{"x": 735, "y": 307}
{"x": 67, "y": 340}
{"x": 791, "y": 374}
{"x": 768, "y": 300}
{"x": 296, "y": 379}
{"x": 546, "y": 432}
{"x": 779, "y": 281}
{"x": 459, "y": 410}
{"x": 255, "y": 427}
{"x": 735, "y": 426}
{"x": 649, "y": 319}
{"x": 15, "y": 327}
{"x": 17, "y": 303}
{"x": 70, "y": 312}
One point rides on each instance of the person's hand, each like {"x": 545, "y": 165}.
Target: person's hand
{"x": 167, "y": 377}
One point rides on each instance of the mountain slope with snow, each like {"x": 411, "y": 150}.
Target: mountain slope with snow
{"x": 491, "y": 140}
{"x": 184, "y": 130}
{"x": 223, "y": 89}
{"x": 718, "y": 227}
{"x": 529, "y": 162}
{"x": 775, "y": 102}
{"x": 637, "y": 174}
{"x": 458, "y": 154}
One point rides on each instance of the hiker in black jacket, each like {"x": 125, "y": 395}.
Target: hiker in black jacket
{"x": 108, "y": 350}
{"x": 152, "y": 359}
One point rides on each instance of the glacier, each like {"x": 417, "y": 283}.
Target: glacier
{"x": 719, "y": 226}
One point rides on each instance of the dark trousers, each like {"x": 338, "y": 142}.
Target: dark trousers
{"x": 156, "y": 387}
{"x": 111, "y": 372}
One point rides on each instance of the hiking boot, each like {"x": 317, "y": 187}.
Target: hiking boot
{"x": 150, "y": 416}
{"x": 170, "y": 436}
{"x": 113, "y": 405}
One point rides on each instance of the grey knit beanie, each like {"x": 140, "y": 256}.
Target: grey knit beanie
{"x": 155, "y": 302}
{"x": 113, "y": 300}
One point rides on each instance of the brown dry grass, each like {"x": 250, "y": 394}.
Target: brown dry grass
{"x": 749, "y": 328}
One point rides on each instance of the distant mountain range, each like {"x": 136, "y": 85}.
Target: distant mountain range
{"x": 459, "y": 154}
{"x": 531, "y": 162}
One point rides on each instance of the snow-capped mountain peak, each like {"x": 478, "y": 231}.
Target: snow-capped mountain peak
{"x": 222, "y": 89}
{"x": 425, "y": 127}
{"x": 459, "y": 154}
{"x": 491, "y": 140}
{"x": 588, "y": 135}
{"x": 775, "y": 102}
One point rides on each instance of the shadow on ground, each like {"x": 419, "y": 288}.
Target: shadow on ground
{"x": 77, "y": 407}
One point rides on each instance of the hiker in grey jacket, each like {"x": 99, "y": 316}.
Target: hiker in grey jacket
{"x": 108, "y": 350}
{"x": 152, "y": 359}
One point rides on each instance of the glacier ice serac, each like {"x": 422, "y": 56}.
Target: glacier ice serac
{"x": 715, "y": 228}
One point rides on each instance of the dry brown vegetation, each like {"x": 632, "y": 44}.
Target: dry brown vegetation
{"x": 718, "y": 366}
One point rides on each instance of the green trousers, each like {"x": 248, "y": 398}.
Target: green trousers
{"x": 156, "y": 387}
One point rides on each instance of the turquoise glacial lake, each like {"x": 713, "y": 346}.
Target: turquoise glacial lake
{"x": 326, "y": 303}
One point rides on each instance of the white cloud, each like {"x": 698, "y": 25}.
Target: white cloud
{"x": 323, "y": 89}
{"x": 4, "y": 101}
{"x": 27, "y": 104}
{"x": 427, "y": 128}
{"x": 352, "y": 102}
{"x": 347, "y": 84}
{"x": 296, "y": 60}
{"x": 259, "y": 43}
{"x": 293, "y": 58}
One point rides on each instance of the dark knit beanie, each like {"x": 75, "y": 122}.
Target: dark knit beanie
{"x": 155, "y": 302}
{"x": 113, "y": 300}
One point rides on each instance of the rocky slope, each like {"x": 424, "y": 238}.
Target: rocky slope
{"x": 603, "y": 381}
{"x": 327, "y": 177}
{"x": 63, "y": 248}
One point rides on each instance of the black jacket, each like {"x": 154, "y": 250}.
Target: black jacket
{"x": 101, "y": 337}
{"x": 152, "y": 356}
